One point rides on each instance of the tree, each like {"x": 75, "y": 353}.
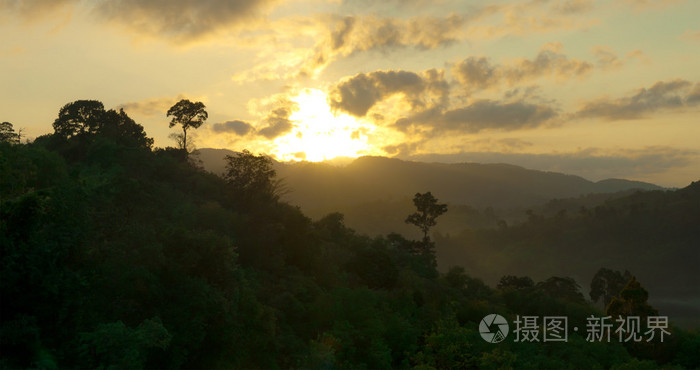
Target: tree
{"x": 632, "y": 301}
{"x": 83, "y": 118}
{"x": 428, "y": 211}
{"x": 79, "y": 117}
{"x": 123, "y": 129}
{"x": 515, "y": 282}
{"x": 607, "y": 284}
{"x": 251, "y": 175}
{"x": 562, "y": 288}
{"x": 187, "y": 114}
{"x": 8, "y": 134}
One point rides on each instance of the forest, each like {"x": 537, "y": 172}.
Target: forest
{"x": 116, "y": 254}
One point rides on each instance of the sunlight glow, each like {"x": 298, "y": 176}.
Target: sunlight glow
{"x": 319, "y": 134}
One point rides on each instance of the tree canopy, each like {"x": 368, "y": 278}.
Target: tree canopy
{"x": 8, "y": 134}
{"x": 428, "y": 211}
{"x": 88, "y": 119}
{"x": 188, "y": 115}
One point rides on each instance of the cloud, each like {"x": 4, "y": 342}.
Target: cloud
{"x": 478, "y": 72}
{"x": 479, "y": 115}
{"x": 548, "y": 62}
{"x": 640, "y": 5}
{"x": 663, "y": 95}
{"x": 33, "y": 9}
{"x": 690, "y": 35}
{"x": 693, "y": 97}
{"x": 607, "y": 57}
{"x": 358, "y": 94}
{"x": 358, "y": 33}
{"x": 573, "y": 6}
{"x": 179, "y": 20}
{"x": 151, "y": 106}
{"x": 278, "y": 123}
{"x": 237, "y": 127}
{"x": 532, "y": 17}
{"x": 401, "y": 150}
{"x": 639, "y": 55}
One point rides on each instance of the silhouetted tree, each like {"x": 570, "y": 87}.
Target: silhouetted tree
{"x": 187, "y": 114}
{"x": 428, "y": 211}
{"x": 88, "y": 117}
{"x": 251, "y": 175}
{"x": 607, "y": 284}
{"x": 78, "y": 117}
{"x": 119, "y": 126}
{"x": 8, "y": 134}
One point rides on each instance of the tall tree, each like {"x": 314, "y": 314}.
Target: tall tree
{"x": 8, "y": 134}
{"x": 251, "y": 175}
{"x": 79, "y": 117}
{"x": 428, "y": 211}
{"x": 607, "y": 284}
{"x": 187, "y": 114}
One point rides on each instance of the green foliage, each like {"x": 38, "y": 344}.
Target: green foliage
{"x": 515, "y": 282}
{"x": 607, "y": 284}
{"x": 116, "y": 346}
{"x": 632, "y": 301}
{"x": 116, "y": 256}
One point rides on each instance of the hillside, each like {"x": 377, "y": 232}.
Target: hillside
{"x": 381, "y": 188}
{"x": 118, "y": 255}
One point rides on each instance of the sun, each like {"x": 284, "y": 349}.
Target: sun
{"x": 319, "y": 134}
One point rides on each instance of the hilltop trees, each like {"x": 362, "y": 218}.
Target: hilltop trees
{"x": 188, "y": 115}
{"x": 84, "y": 119}
{"x": 79, "y": 117}
{"x": 251, "y": 175}
{"x": 8, "y": 134}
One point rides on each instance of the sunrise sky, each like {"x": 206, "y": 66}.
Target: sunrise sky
{"x": 605, "y": 88}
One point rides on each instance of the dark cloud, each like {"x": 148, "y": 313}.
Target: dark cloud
{"x": 152, "y": 106}
{"x": 179, "y": 19}
{"x": 549, "y": 62}
{"x": 237, "y": 127}
{"x": 480, "y": 115}
{"x": 573, "y": 6}
{"x": 358, "y": 94}
{"x": 401, "y": 150}
{"x": 663, "y": 95}
{"x": 478, "y": 72}
{"x": 693, "y": 98}
{"x": 351, "y": 34}
{"x": 278, "y": 123}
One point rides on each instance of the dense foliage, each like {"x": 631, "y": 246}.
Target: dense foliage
{"x": 114, "y": 255}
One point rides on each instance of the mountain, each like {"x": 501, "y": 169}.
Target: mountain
{"x": 317, "y": 187}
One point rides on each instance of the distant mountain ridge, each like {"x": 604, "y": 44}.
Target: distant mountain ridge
{"x": 316, "y": 186}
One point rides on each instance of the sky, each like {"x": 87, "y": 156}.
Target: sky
{"x": 596, "y": 88}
